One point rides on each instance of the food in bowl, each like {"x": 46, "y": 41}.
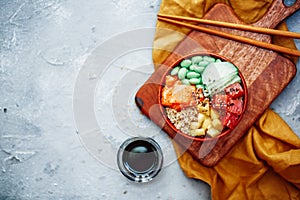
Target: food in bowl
{"x": 203, "y": 96}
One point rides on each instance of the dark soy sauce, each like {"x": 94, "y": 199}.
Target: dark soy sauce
{"x": 140, "y": 159}
{"x": 140, "y": 156}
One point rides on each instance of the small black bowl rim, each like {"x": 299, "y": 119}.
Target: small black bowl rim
{"x": 140, "y": 177}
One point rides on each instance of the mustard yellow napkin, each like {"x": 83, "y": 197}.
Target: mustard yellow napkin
{"x": 265, "y": 163}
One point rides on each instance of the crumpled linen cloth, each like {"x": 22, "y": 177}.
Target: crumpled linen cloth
{"x": 265, "y": 163}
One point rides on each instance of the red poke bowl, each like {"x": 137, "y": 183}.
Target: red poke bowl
{"x": 203, "y": 96}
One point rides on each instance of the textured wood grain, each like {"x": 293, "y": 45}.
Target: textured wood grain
{"x": 266, "y": 74}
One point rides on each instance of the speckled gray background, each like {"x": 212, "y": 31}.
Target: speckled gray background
{"x": 43, "y": 45}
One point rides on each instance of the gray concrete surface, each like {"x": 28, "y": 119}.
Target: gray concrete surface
{"x": 44, "y": 45}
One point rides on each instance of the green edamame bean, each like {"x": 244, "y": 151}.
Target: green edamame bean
{"x": 198, "y": 86}
{"x": 196, "y": 59}
{"x": 190, "y": 75}
{"x": 186, "y": 63}
{"x": 209, "y": 59}
{"x": 185, "y": 81}
{"x": 195, "y": 81}
{"x": 203, "y": 63}
{"x": 199, "y": 69}
{"x": 175, "y": 71}
{"x": 193, "y": 67}
{"x": 182, "y": 73}
{"x": 218, "y": 60}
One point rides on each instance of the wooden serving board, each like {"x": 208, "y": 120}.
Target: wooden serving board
{"x": 266, "y": 74}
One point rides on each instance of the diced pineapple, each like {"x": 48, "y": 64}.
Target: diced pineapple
{"x": 204, "y": 107}
{"x": 217, "y": 124}
{"x": 213, "y": 132}
{"x": 207, "y": 123}
{"x": 214, "y": 114}
{"x": 201, "y": 118}
{"x": 194, "y": 125}
{"x": 198, "y": 132}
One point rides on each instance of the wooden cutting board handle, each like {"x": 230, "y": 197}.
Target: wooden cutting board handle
{"x": 277, "y": 13}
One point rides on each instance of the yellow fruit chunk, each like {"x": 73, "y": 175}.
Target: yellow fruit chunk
{"x": 213, "y": 132}
{"x": 217, "y": 124}
{"x": 194, "y": 125}
{"x": 201, "y": 118}
{"x": 204, "y": 107}
{"x": 198, "y": 132}
{"x": 207, "y": 123}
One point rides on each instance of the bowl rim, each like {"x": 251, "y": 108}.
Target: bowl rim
{"x": 162, "y": 108}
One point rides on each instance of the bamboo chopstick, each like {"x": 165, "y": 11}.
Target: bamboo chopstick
{"x": 235, "y": 26}
{"x": 235, "y": 37}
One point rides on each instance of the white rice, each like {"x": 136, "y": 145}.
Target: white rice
{"x": 182, "y": 120}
